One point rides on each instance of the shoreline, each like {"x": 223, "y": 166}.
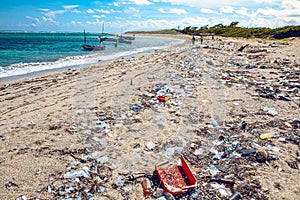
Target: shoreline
{"x": 37, "y": 72}
{"x": 104, "y": 124}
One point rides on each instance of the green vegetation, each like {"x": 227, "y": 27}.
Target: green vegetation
{"x": 232, "y": 30}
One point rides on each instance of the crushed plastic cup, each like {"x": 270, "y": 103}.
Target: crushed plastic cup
{"x": 270, "y": 111}
{"x": 77, "y": 174}
{"x": 213, "y": 170}
{"x": 150, "y": 145}
{"x": 120, "y": 182}
{"x": 214, "y": 123}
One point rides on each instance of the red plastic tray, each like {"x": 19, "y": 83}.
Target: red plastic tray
{"x": 178, "y": 179}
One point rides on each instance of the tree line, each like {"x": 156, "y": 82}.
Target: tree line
{"x": 232, "y": 30}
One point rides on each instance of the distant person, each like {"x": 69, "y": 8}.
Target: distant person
{"x": 193, "y": 40}
{"x": 201, "y": 39}
{"x": 213, "y": 37}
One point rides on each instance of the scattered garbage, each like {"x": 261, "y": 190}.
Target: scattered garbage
{"x": 229, "y": 156}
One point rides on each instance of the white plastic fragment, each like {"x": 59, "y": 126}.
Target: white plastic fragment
{"x": 77, "y": 174}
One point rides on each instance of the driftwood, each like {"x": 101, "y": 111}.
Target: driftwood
{"x": 243, "y": 47}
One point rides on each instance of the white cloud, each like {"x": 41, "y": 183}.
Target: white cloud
{"x": 242, "y": 11}
{"x": 33, "y": 18}
{"x": 70, "y": 6}
{"x": 173, "y": 11}
{"x": 44, "y": 9}
{"x": 208, "y": 11}
{"x": 178, "y": 11}
{"x": 76, "y": 23}
{"x": 200, "y": 3}
{"x": 90, "y": 11}
{"x": 161, "y": 10}
{"x": 291, "y": 4}
{"x": 226, "y": 9}
{"x": 103, "y": 11}
{"x": 49, "y": 19}
{"x": 114, "y": 11}
{"x": 54, "y": 13}
{"x": 75, "y": 11}
{"x": 152, "y": 24}
{"x": 116, "y": 4}
{"x": 283, "y": 14}
{"x": 265, "y": 1}
{"x": 97, "y": 16}
{"x": 141, "y": 2}
{"x": 131, "y": 10}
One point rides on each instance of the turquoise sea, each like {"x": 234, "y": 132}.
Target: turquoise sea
{"x": 22, "y": 53}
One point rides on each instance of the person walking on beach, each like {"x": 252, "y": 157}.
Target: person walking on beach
{"x": 201, "y": 39}
{"x": 193, "y": 40}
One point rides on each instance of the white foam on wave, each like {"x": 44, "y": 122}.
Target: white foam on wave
{"x": 70, "y": 61}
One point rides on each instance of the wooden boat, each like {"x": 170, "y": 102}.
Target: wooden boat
{"x": 129, "y": 37}
{"x": 123, "y": 40}
{"x": 92, "y": 47}
{"x": 110, "y": 39}
{"x": 88, "y": 47}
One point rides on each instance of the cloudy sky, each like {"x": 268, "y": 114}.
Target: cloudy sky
{"x": 124, "y": 15}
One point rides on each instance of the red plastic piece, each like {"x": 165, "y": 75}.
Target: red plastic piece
{"x": 161, "y": 98}
{"x": 178, "y": 179}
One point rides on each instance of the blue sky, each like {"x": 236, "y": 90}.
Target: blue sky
{"x": 125, "y": 15}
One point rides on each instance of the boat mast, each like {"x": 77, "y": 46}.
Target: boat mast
{"x": 84, "y": 37}
{"x": 101, "y": 37}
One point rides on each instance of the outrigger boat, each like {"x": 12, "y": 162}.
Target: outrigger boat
{"x": 123, "y": 40}
{"x": 93, "y": 47}
{"x": 129, "y": 37}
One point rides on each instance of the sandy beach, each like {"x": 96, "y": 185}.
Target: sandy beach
{"x": 98, "y": 132}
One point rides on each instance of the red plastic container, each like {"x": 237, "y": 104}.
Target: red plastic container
{"x": 178, "y": 179}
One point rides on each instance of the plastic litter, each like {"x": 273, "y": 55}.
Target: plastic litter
{"x": 77, "y": 174}
{"x": 120, "y": 182}
{"x": 270, "y": 111}
{"x": 236, "y": 196}
{"x": 102, "y": 159}
{"x": 146, "y": 185}
{"x": 213, "y": 170}
{"x": 227, "y": 182}
{"x": 266, "y": 136}
{"x": 178, "y": 179}
{"x": 150, "y": 145}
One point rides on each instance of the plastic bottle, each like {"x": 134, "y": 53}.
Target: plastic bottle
{"x": 236, "y": 196}
{"x": 146, "y": 185}
{"x": 266, "y": 136}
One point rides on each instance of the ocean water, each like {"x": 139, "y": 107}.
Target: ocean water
{"x": 25, "y": 53}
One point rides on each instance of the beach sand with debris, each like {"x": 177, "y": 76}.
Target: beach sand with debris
{"x": 99, "y": 131}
